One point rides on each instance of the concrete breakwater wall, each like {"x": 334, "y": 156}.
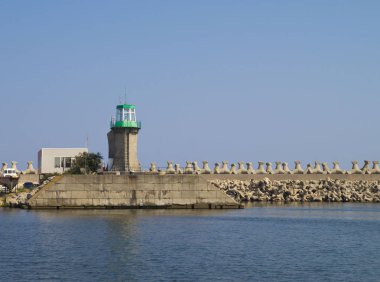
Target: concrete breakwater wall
{"x": 131, "y": 191}
{"x": 305, "y": 188}
{"x": 202, "y": 191}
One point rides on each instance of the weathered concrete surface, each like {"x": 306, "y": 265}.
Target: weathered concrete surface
{"x": 132, "y": 191}
{"x": 33, "y": 178}
{"x": 122, "y": 144}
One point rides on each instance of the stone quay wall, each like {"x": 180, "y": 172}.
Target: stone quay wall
{"x": 131, "y": 191}
{"x": 202, "y": 191}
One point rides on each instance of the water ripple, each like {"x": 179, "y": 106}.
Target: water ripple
{"x": 264, "y": 242}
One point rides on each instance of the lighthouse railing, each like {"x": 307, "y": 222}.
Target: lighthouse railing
{"x": 132, "y": 124}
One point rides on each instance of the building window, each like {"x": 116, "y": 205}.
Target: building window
{"x": 57, "y": 162}
{"x": 133, "y": 115}
{"x": 127, "y": 114}
{"x": 67, "y": 162}
{"x": 119, "y": 115}
{"x": 63, "y": 162}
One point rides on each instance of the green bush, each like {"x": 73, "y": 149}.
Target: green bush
{"x": 86, "y": 163}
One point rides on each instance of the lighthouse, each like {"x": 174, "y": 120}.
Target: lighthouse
{"x": 122, "y": 140}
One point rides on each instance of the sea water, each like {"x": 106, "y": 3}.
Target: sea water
{"x": 263, "y": 242}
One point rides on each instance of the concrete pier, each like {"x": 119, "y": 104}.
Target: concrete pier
{"x": 131, "y": 191}
{"x": 148, "y": 190}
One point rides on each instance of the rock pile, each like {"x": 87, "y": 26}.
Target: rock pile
{"x": 18, "y": 200}
{"x": 21, "y": 199}
{"x": 301, "y": 191}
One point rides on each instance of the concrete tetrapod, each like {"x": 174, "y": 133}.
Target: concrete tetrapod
{"x": 224, "y": 169}
{"x": 206, "y": 169}
{"x": 269, "y": 169}
{"x": 325, "y": 168}
{"x": 285, "y": 168}
{"x": 153, "y": 168}
{"x": 355, "y": 168}
{"x": 14, "y": 166}
{"x": 297, "y": 168}
{"x": 328, "y": 190}
{"x": 309, "y": 169}
{"x": 189, "y": 169}
{"x": 241, "y": 169}
{"x": 178, "y": 169}
{"x": 375, "y": 168}
{"x": 4, "y": 166}
{"x": 317, "y": 168}
{"x": 279, "y": 169}
{"x": 197, "y": 169}
{"x": 250, "y": 169}
{"x": 336, "y": 169}
{"x": 233, "y": 169}
{"x": 170, "y": 169}
{"x": 29, "y": 169}
{"x": 366, "y": 167}
{"x": 260, "y": 169}
{"x": 216, "y": 168}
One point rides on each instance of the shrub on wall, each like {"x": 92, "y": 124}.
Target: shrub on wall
{"x": 86, "y": 163}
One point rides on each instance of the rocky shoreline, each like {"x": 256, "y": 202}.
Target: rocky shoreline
{"x": 17, "y": 200}
{"x": 21, "y": 199}
{"x": 331, "y": 190}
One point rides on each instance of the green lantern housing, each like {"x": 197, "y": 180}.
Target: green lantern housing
{"x": 125, "y": 117}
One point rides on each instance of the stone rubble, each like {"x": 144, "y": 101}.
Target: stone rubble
{"x": 301, "y": 191}
{"x": 20, "y": 199}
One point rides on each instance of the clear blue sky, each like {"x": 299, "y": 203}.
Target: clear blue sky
{"x": 212, "y": 79}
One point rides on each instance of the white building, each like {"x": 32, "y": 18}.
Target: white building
{"x": 57, "y": 160}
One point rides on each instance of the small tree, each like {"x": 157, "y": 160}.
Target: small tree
{"x": 86, "y": 163}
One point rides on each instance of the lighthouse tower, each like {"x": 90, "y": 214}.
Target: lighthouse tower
{"x": 122, "y": 140}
